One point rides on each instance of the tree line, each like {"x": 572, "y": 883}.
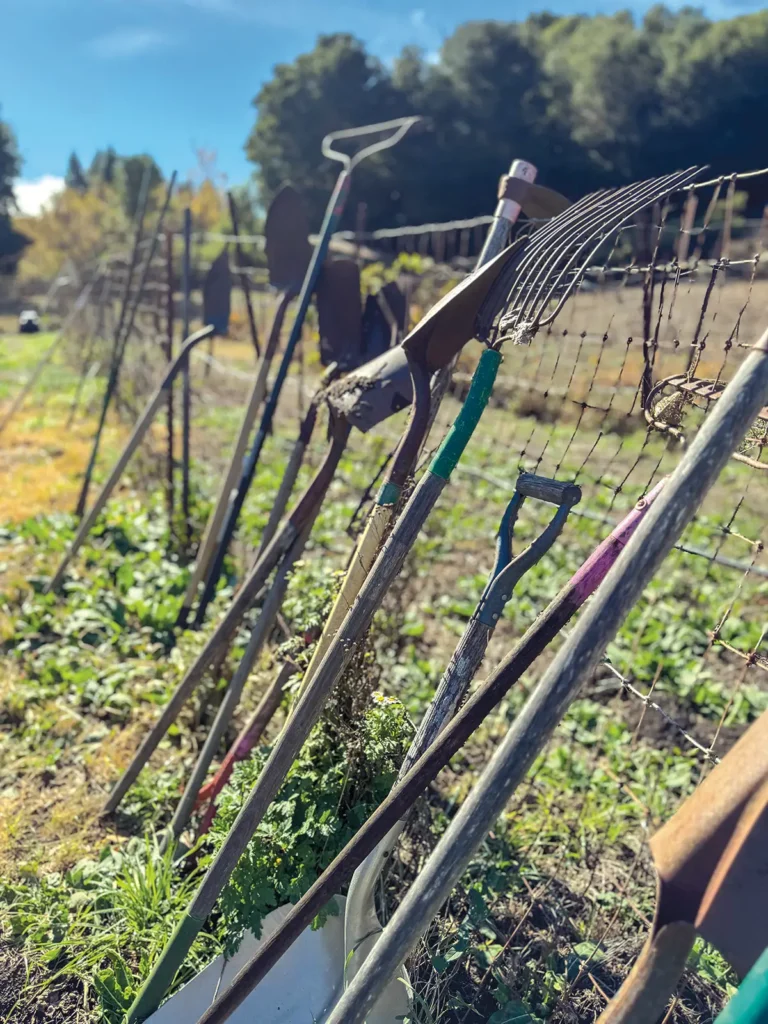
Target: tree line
{"x": 593, "y": 101}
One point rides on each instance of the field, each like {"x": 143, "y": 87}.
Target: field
{"x": 554, "y": 908}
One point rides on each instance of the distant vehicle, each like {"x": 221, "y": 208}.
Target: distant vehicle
{"x": 29, "y": 322}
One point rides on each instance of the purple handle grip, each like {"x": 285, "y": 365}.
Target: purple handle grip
{"x": 588, "y": 578}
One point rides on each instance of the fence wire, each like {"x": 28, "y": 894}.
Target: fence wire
{"x": 553, "y": 912}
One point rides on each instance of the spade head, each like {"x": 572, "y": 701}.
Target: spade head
{"x": 381, "y": 310}
{"x": 286, "y": 241}
{"x": 217, "y": 293}
{"x": 450, "y": 324}
{"x": 733, "y": 914}
{"x": 707, "y": 850}
{"x": 340, "y": 314}
{"x": 377, "y": 390}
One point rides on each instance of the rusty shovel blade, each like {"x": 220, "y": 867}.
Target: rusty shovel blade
{"x": 286, "y": 232}
{"x": 450, "y": 323}
{"x": 340, "y": 314}
{"x": 711, "y": 862}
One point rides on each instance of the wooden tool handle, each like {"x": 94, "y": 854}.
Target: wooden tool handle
{"x": 644, "y": 995}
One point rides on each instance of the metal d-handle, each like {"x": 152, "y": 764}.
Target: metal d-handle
{"x": 508, "y": 569}
{"x": 399, "y": 127}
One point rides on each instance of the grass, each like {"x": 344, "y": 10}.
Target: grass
{"x": 555, "y": 905}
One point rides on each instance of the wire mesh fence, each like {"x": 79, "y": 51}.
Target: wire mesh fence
{"x": 556, "y": 906}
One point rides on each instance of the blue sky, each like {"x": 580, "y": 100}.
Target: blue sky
{"x": 171, "y": 76}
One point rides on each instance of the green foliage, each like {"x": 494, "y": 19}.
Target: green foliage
{"x": 75, "y": 177}
{"x": 591, "y": 100}
{"x": 328, "y": 793}
{"x": 104, "y": 922}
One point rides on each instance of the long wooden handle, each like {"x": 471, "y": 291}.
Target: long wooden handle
{"x": 644, "y": 995}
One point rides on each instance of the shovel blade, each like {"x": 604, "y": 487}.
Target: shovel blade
{"x": 303, "y": 986}
{"x": 286, "y": 240}
{"x": 340, "y": 314}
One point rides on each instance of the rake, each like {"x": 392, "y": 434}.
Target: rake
{"x": 527, "y": 278}
{"x": 288, "y": 254}
{"x": 576, "y": 660}
{"x": 453, "y": 319}
{"x": 396, "y": 129}
{"x": 387, "y": 387}
{"x": 389, "y": 817}
{"x": 671, "y": 399}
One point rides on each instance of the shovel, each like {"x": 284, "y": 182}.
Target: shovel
{"x": 361, "y": 924}
{"x": 393, "y": 131}
{"x": 398, "y": 804}
{"x": 711, "y": 864}
{"x": 157, "y": 400}
{"x": 287, "y": 250}
{"x": 340, "y": 323}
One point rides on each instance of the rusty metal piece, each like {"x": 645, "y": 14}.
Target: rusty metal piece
{"x": 217, "y": 293}
{"x": 711, "y": 861}
{"x": 286, "y": 232}
{"x": 377, "y": 390}
{"x": 450, "y": 324}
{"x": 668, "y": 400}
{"x": 733, "y": 914}
{"x": 340, "y": 314}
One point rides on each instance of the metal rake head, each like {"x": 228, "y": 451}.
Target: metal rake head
{"x": 672, "y": 398}
{"x": 541, "y": 274}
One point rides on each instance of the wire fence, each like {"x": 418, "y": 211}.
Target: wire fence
{"x": 557, "y": 905}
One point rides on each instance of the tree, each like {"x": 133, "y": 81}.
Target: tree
{"x": 80, "y": 226}
{"x": 103, "y": 167}
{"x": 75, "y": 177}
{"x": 129, "y": 179}
{"x": 12, "y": 242}
{"x": 336, "y": 85}
{"x": 592, "y": 101}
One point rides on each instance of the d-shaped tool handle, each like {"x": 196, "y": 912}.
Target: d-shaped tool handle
{"x": 556, "y": 492}
{"x": 398, "y": 127}
{"x": 508, "y": 570}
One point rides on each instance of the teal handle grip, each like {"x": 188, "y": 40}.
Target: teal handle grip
{"x": 450, "y": 451}
{"x": 750, "y": 1004}
{"x": 389, "y": 494}
{"x": 164, "y": 971}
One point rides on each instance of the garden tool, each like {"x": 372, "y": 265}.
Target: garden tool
{"x": 247, "y": 739}
{"x": 687, "y": 487}
{"x": 750, "y": 1004}
{"x": 394, "y": 131}
{"x": 363, "y": 399}
{"x": 361, "y": 561}
{"x": 287, "y": 250}
{"x": 217, "y": 293}
{"x": 360, "y": 918}
{"x": 400, "y": 801}
{"x": 340, "y": 324}
{"x": 581, "y": 231}
{"x": 384, "y": 316}
{"x": 155, "y": 403}
{"x": 711, "y": 860}
{"x": 340, "y": 314}
{"x": 361, "y": 924}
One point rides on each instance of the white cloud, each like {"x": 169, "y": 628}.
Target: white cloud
{"x": 128, "y": 42}
{"x": 31, "y": 196}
